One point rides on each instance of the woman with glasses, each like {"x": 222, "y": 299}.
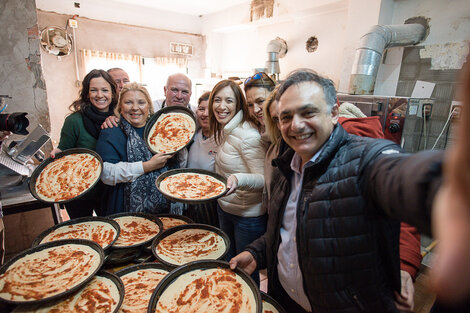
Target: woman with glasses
{"x": 240, "y": 158}
{"x": 257, "y": 89}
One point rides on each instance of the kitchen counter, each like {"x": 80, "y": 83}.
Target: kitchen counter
{"x": 18, "y": 199}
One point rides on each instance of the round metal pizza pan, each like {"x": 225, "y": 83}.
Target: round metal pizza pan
{"x": 142, "y": 266}
{"x": 150, "y": 217}
{"x": 274, "y": 303}
{"x": 37, "y": 171}
{"x": 175, "y": 229}
{"x": 121, "y": 256}
{"x": 114, "y": 278}
{"x": 189, "y": 171}
{"x": 175, "y": 216}
{"x": 153, "y": 119}
{"x": 186, "y": 219}
{"x": 79, "y": 220}
{"x": 196, "y": 265}
{"x": 67, "y": 289}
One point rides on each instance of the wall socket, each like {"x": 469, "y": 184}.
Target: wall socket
{"x": 455, "y": 109}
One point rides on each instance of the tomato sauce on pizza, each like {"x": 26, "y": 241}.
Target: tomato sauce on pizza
{"x": 189, "y": 245}
{"x": 192, "y": 186}
{"x": 68, "y": 177}
{"x": 208, "y": 290}
{"x": 171, "y": 132}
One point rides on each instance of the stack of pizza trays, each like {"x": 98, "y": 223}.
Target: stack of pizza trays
{"x": 170, "y": 129}
{"x": 140, "y": 282}
{"x": 138, "y": 230}
{"x": 168, "y": 221}
{"x": 68, "y": 176}
{"x": 58, "y": 276}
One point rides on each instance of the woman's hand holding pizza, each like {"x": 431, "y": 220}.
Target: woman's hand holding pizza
{"x": 232, "y": 184}
{"x": 54, "y": 152}
{"x": 157, "y": 161}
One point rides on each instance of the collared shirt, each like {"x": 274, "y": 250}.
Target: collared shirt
{"x": 288, "y": 267}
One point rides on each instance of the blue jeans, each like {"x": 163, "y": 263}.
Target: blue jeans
{"x": 242, "y": 231}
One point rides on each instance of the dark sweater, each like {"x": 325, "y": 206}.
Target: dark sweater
{"x": 112, "y": 147}
{"x": 348, "y": 248}
{"x": 74, "y": 134}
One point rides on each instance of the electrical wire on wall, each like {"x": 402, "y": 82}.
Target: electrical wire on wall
{"x": 424, "y": 127}
{"x": 444, "y": 128}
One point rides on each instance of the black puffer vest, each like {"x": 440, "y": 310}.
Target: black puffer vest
{"x": 348, "y": 251}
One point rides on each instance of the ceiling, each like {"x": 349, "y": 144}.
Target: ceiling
{"x": 191, "y": 7}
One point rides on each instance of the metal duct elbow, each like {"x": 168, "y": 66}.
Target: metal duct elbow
{"x": 276, "y": 49}
{"x": 369, "y": 53}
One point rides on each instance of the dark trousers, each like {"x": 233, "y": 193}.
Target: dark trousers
{"x": 242, "y": 231}
{"x": 82, "y": 208}
{"x": 205, "y": 213}
{"x": 278, "y": 293}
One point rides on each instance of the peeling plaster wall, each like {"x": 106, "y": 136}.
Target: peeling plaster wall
{"x": 20, "y": 62}
{"x": 105, "y": 36}
{"x": 449, "y": 22}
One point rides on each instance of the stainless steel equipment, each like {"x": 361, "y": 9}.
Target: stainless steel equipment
{"x": 393, "y": 112}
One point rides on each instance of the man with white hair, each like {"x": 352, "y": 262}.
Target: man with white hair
{"x": 177, "y": 92}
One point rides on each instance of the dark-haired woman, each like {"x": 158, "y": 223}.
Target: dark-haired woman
{"x": 240, "y": 158}
{"x": 257, "y": 89}
{"x": 81, "y": 129}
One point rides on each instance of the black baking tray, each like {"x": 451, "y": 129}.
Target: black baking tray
{"x": 79, "y": 220}
{"x": 175, "y": 216}
{"x": 275, "y": 304}
{"x": 190, "y": 170}
{"x": 153, "y": 119}
{"x": 115, "y": 279}
{"x": 148, "y": 248}
{"x": 204, "y": 264}
{"x": 40, "y": 167}
{"x": 175, "y": 229}
{"x": 148, "y": 216}
{"x": 143, "y": 266}
{"x": 67, "y": 289}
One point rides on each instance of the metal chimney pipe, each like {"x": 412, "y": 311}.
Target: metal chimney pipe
{"x": 369, "y": 53}
{"x": 276, "y": 49}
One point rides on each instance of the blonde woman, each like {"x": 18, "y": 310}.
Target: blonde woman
{"x": 129, "y": 166}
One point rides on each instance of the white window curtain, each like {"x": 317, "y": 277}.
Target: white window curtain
{"x": 156, "y": 71}
{"x": 151, "y": 72}
{"x": 132, "y": 64}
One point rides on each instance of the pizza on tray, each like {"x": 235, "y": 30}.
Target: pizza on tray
{"x": 135, "y": 230}
{"x": 48, "y": 272}
{"x": 170, "y": 222}
{"x": 100, "y": 295}
{"x": 68, "y": 177}
{"x": 189, "y": 245}
{"x": 100, "y": 232}
{"x": 139, "y": 286}
{"x": 192, "y": 186}
{"x": 171, "y": 132}
{"x": 207, "y": 290}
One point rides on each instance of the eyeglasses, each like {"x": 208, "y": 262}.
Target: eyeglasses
{"x": 259, "y": 75}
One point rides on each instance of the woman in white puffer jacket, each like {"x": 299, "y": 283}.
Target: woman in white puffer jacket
{"x": 240, "y": 158}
